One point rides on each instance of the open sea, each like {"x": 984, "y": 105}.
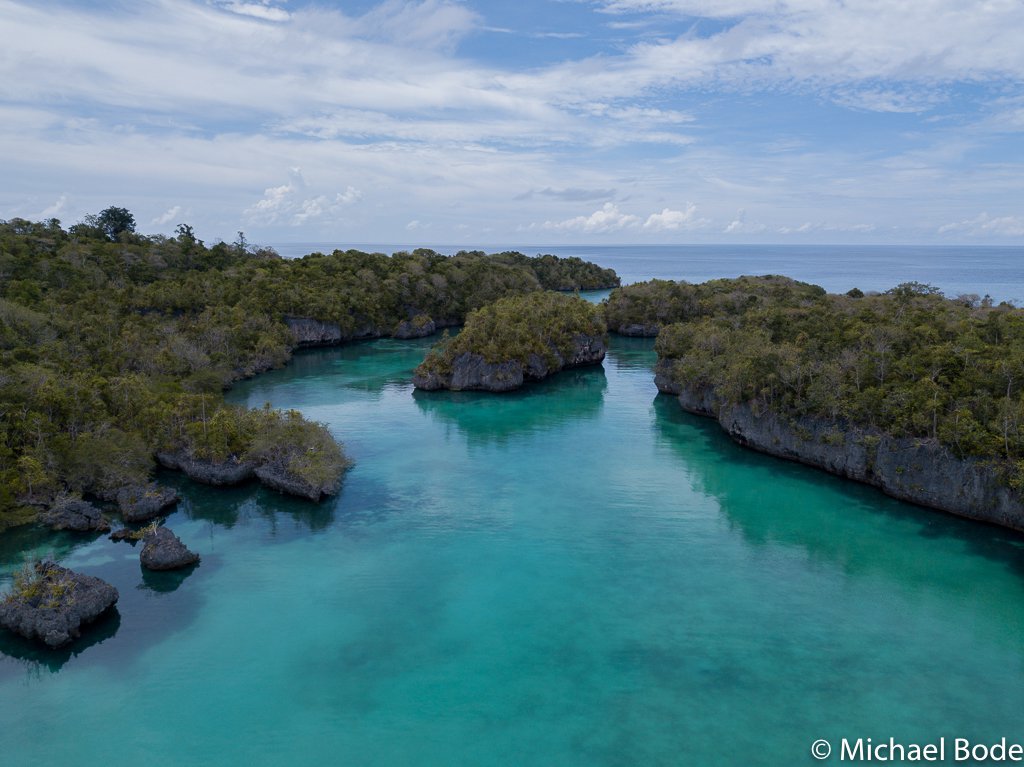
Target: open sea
{"x": 574, "y": 574}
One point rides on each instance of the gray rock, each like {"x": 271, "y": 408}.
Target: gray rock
{"x": 415, "y": 328}
{"x": 57, "y": 605}
{"x": 310, "y": 332}
{"x": 648, "y": 330}
{"x": 280, "y": 479}
{"x": 229, "y": 472}
{"x": 921, "y": 471}
{"x": 471, "y": 371}
{"x": 71, "y": 513}
{"x": 163, "y": 550}
{"x": 139, "y": 503}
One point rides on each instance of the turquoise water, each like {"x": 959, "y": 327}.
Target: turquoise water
{"x": 577, "y": 574}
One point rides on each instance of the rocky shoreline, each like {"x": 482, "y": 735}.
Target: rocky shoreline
{"x": 471, "y": 371}
{"x": 920, "y": 471}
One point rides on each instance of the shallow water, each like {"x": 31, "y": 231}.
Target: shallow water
{"x": 576, "y": 574}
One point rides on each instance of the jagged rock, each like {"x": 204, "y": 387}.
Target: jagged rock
{"x": 278, "y": 478}
{"x": 418, "y": 327}
{"x": 638, "y": 330}
{"x": 139, "y": 503}
{"x": 310, "y": 332}
{"x": 55, "y": 604}
{"x": 123, "y": 534}
{"x": 163, "y": 550}
{"x": 921, "y": 471}
{"x": 70, "y": 513}
{"x": 229, "y": 472}
{"x": 472, "y": 371}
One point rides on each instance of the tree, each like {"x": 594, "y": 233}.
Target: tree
{"x": 114, "y": 222}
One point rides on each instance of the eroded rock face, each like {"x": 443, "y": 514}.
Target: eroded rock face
{"x": 470, "y": 371}
{"x": 277, "y": 478}
{"x": 415, "y": 328}
{"x": 139, "y": 503}
{"x": 56, "y": 605}
{"x": 229, "y": 472}
{"x": 163, "y": 550}
{"x": 638, "y": 330}
{"x": 310, "y": 332}
{"x": 921, "y": 471}
{"x": 71, "y": 513}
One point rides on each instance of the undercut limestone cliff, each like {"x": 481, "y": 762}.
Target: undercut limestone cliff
{"x": 917, "y": 470}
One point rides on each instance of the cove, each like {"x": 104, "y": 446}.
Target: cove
{"x": 574, "y": 574}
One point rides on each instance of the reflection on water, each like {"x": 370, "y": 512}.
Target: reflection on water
{"x": 574, "y": 394}
{"x": 576, "y": 574}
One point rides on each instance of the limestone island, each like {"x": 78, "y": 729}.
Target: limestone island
{"x": 909, "y": 391}
{"x": 513, "y": 340}
{"x": 50, "y": 603}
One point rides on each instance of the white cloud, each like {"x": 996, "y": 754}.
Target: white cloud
{"x": 288, "y": 203}
{"x": 607, "y": 219}
{"x": 262, "y": 10}
{"x": 984, "y": 225}
{"x": 167, "y": 216}
{"x": 673, "y": 220}
{"x": 52, "y": 211}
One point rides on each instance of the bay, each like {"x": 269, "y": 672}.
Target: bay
{"x": 575, "y": 574}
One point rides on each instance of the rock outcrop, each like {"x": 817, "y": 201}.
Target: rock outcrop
{"x": 636, "y": 329}
{"x": 71, "y": 513}
{"x": 420, "y": 326}
{"x": 139, "y": 503}
{"x": 470, "y": 371}
{"x": 54, "y": 604}
{"x": 229, "y": 472}
{"x": 163, "y": 550}
{"x": 278, "y": 478}
{"x": 921, "y": 471}
{"x": 310, "y": 332}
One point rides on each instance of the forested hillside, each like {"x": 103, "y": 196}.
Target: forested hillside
{"x": 114, "y": 345}
{"x": 908, "y": 363}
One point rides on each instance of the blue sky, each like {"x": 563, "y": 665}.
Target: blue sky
{"x": 527, "y": 122}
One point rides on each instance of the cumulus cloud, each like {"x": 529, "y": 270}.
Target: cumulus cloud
{"x": 290, "y": 204}
{"x": 984, "y": 225}
{"x": 673, "y": 220}
{"x": 611, "y": 219}
{"x": 607, "y": 219}
{"x": 167, "y": 216}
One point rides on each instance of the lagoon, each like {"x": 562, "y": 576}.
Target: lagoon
{"x": 574, "y": 574}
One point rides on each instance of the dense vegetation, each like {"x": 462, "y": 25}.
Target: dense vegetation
{"x": 114, "y": 345}
{"x": 516, "y": 328}
{"x": 909, "y": 362}
{"x": 645, "y": 307}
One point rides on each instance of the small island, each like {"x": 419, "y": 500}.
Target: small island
{"x": 514, "y": 340}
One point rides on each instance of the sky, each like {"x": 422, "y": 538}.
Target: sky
{"x": 522, "y": 122}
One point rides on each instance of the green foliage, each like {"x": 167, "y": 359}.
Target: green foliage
{"x": 114, "y": 345}
{"x": 517, "y": 327}
{"x": 657, "y": 303}
{"x": 35, "y": 587}
{"x": 910, "y": 362}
